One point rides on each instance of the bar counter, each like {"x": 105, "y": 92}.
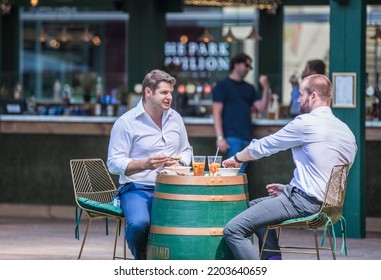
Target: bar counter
{"x": 81, "y": 125}
{"x": 36, "y": 151}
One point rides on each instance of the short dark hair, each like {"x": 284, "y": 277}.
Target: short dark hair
{"x": 153, "y": 78}
{"x": 239, "y": 58}
{"x": 317, "y": 65}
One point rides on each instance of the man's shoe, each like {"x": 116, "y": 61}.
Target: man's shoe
{"x": 275, "y": 258}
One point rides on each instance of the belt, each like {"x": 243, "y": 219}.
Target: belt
{"x": 306, "y": 196}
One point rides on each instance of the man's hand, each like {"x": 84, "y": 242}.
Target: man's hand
{"x": 155, "y": 161}
{"x": 275, "y": 189}
{"x": 222, "y": 145}
{"x": 172, "y": 162}
{"x": 263, "y": 80}
{"x": 230, "y": 162}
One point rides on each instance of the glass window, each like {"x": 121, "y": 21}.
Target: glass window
{"x": 66, "y": 53}
{"x": 306, "y": 37}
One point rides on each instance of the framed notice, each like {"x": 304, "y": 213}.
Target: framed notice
{"x": 344, "y": 90}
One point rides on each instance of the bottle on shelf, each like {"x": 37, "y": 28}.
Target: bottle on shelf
{"x": 57, "y": 90}
{"x": 273, "y": 113}
{"x": 98, "y": 107}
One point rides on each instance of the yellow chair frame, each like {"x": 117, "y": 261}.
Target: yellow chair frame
{"x": 329, "y": 214}
{"x": 92, "y": 180}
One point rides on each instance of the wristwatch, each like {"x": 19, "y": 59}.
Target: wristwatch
{"x": 181, "y": 163}
{"x": 236, "y": 159}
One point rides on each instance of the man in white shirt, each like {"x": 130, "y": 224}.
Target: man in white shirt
{"x": 142, "y": 141}
{"x": 318, "y": 141}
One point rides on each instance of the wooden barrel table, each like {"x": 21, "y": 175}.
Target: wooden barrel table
{"x": 189, "y": 214}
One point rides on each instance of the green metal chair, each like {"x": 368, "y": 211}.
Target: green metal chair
{"x": 94, "y": 190}
{"x": 329, "y": 214}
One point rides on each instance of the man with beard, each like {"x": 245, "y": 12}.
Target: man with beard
{"x": 318, "y": 141}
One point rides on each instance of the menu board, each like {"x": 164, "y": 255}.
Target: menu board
{"x": 344, "y": 90}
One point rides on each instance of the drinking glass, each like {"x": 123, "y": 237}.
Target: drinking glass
{"x": 214, "y": 162}
{"x": 198, "y": 164}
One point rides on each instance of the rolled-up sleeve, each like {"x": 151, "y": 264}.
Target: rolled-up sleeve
{"x": 119, "y": 149}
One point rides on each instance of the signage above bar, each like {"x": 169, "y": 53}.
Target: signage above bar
{"x": 195, "y": 56}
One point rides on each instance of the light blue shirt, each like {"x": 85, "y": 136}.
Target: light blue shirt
{"x": 135, "y": 136}
{"x": 318, "y": 141}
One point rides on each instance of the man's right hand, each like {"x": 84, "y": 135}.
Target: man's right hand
{"x": 155, "y": 161}
{"x": 274, "y": 189}
{"x": 222, "y": 145}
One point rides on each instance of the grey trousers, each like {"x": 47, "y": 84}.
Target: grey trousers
{"x": 292, "y": 203}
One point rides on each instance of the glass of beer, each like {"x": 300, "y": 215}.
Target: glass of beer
{"x": 198, "y": 164}
{"x": 214, "y": 162}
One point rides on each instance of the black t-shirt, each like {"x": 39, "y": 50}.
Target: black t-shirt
{"x": 238, "y": 98}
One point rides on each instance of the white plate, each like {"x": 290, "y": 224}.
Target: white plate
{"x": 180, "y": 170}
{"x": 228, "y": 171}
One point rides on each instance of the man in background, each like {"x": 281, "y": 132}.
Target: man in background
{"x": 315, "y": 66}
{"x": 234, "y": 100}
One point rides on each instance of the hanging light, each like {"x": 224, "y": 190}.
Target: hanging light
{"x": 206, "y": 37}
{"x": 259, "y": 4}
{"x": 43, "y": 36}
{"x": 65, "y": 36}
{"x": 34, "y": 3}
{"x": 184, "y": 39}
{"x": 377, "y": 36}
{"x": 254, "y": 35}
{"x": 229, "y": 37}
{"x": 87, "y": 35}
{"x": 96, "y": 40}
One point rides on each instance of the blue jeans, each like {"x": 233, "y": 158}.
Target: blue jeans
{"x": 136, "y": 203}
{"x": 237, "y": 145}
{"x": 262, "y": 212}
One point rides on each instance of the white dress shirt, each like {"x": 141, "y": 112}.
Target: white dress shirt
{"x": 135, "y": 136}
{"x": 318, "y": 141}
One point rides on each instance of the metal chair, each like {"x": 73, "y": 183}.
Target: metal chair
{"x": 94, "y": 190}
{"x": 329, "y": 214}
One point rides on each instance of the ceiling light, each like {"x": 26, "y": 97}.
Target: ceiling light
{"x": 254, "y": 35}
{"x": 34, "y": 3}
{"x": 43, "y": 36}
{"x": 206, "y": 37}
{"x": 377, "y": 36}
{"x": 229, "y": 37}
{"x": 65, "y": 36}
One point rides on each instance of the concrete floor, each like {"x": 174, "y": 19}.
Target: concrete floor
{"x": 42, "y": 238}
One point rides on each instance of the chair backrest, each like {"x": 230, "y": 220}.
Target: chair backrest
{"x": 335, "y": 193}
{"x": 92, "y": 180}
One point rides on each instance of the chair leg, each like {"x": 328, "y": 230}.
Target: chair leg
{"x": 263, "y": 242}
{"x": 279, "y": 233}
{"x": 116, "y": 238}
{"x": 331, "y": 243}
{"x": 124, "y": 240}
{"x": 316, "y": 245}
{"x": 84, "y": 238}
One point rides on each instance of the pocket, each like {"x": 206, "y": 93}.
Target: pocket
{"x": 125, "y": 188}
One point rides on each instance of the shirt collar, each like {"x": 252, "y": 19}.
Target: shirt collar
{"x": 322, "y": 109}
{"x": 139, "y": 108}
{"x": 140, "y": 111}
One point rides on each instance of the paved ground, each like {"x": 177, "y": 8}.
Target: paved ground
{"x": 42, "y": 238}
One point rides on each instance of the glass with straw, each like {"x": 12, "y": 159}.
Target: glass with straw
{"x": 214, "y": 162}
